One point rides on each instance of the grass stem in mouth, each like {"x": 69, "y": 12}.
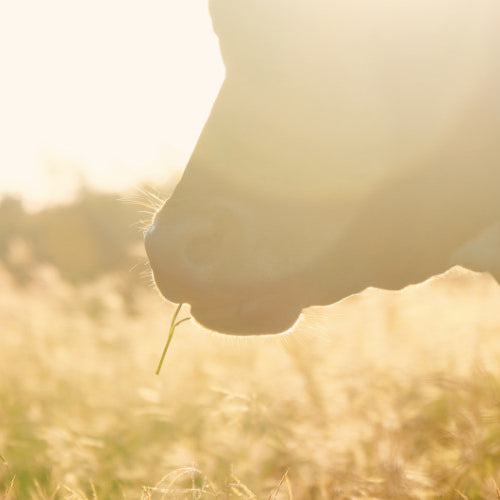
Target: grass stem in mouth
{"x": 173, "y": 326}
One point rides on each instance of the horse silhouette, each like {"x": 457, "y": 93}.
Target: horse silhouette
{"x": 352, "y": 144}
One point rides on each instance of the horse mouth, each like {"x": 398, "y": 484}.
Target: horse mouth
{"x": 270, "y": 308}
{"x": 256, "y": 316}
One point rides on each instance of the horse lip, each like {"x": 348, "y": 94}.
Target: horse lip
{"x": 235, "y": 310}
{"x": 257, "y": 315}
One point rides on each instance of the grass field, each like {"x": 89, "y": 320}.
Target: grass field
{"x": 384, "y": 396}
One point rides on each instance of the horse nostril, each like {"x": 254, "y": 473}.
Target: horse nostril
{"x": 194, "y": 244}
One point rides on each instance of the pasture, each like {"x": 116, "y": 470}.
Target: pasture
{"x": 383, "y": 396}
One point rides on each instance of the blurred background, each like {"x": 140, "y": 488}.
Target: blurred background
{"x": 386, "y": 395}
{"x": 102, "y": 94}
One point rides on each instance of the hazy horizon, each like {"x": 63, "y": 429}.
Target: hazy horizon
{"x": 120, "y": 107}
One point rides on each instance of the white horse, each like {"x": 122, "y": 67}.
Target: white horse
{"x": 353, "y": 144}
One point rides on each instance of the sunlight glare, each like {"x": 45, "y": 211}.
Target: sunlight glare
{"x": 103, "y": 91}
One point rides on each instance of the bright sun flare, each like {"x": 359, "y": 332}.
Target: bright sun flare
{"x": 111, "y": 92}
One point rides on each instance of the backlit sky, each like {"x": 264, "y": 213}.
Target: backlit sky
{"x": 109, "y": 91}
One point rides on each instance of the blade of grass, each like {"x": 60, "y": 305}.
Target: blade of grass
{"x": 274, "y": 494}
{"x": 10, "y": 491}
{"x": 173, "y": 326}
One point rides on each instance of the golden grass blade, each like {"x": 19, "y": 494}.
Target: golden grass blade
{"x": 284, "y": 478}
{"x": 173, "y": 326}
{"x": 9, "y": 495}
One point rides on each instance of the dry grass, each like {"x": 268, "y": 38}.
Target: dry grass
{"x": 385, "y": 396}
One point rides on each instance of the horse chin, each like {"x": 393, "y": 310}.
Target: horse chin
{"x": 261, "y": 316}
